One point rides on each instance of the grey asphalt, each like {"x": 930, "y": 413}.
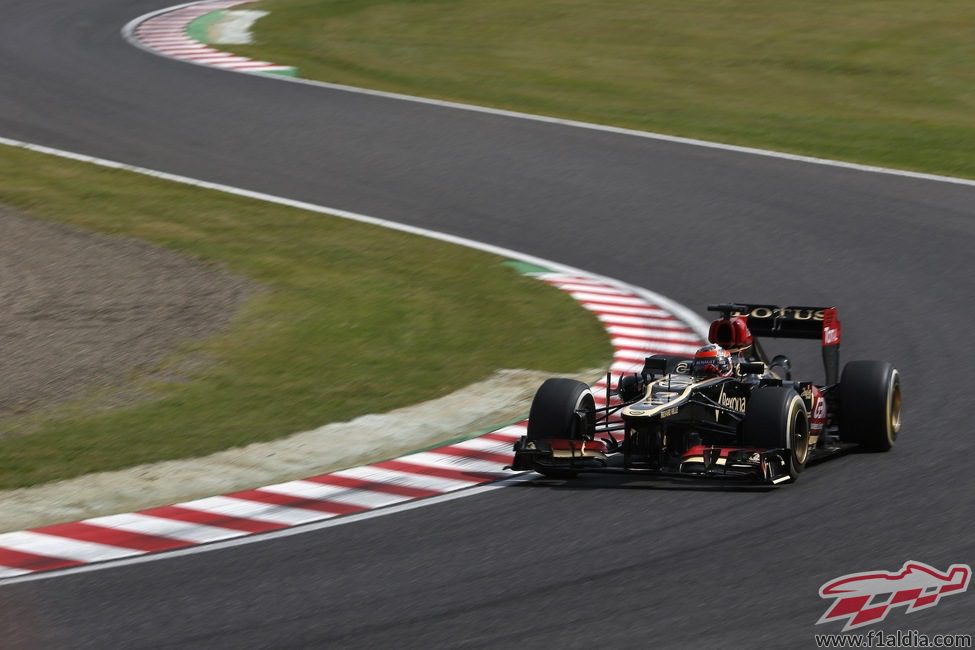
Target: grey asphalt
{"x": 600, "y": 562}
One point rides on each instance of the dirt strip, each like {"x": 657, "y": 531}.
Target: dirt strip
{"x": 80, "y": 311}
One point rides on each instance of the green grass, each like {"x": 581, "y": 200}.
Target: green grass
{"x": 887, "y": 82}
{"x": 351, "y": 319}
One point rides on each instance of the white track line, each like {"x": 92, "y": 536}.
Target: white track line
{"x": 686, "y": 315}
{"x": 129, "y": 32}
{"x": 307, "y": 519}
{"x": 406, "y": 479}
{"x": 259, "y": 510}
{"x": 135, "y": 522}
{"x": 64, "y": 547}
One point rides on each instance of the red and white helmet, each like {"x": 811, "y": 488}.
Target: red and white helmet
{"x": 711, "y": 361}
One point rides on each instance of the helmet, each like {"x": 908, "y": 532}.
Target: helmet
{"x": 711, "y": 361}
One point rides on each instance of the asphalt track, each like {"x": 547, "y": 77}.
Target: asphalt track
{"x": 600, "y": 561}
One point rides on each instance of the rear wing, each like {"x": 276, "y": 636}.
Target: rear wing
{"x": 772, "y": 321}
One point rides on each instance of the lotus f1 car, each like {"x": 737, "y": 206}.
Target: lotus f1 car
{"x": 745, "y": 419}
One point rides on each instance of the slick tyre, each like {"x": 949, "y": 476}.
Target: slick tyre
{"x": 776, "y": 418}
{"x": 562, "y": 408}
{"x": 870, "y": 404}
{"x": 556, "y": 410}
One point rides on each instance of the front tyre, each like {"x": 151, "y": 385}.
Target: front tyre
{"x": 870, "y": 404}
{"x": 776, "y": 418}
{"x": 562, "y": 408}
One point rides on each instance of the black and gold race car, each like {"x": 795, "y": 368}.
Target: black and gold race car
{"x": 730, "y": 412}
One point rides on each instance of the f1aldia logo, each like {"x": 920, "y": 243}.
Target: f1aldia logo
{"x": 866, "y": 598}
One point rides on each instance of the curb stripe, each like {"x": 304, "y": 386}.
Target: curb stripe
{"x": 472, "y": 478}
{"x": 435, "y": 484}
{"x": 265, "y": 506}
{"x": 500, "y": 459}
{"x": 87, "y": 532}
{"x": 647, "y": 314}
{"x": 389, "y": 488}
{"x": 644, "y": 329}
{"x": 134, "y": 522}
{"x": 27, "y": 562}
{"x": 63, "y": 547}
{"x": 460, "y": 462}
{"x": 166, "y": 33}
{"x": 278, "y": 498}
{"x": 189, "y": 515}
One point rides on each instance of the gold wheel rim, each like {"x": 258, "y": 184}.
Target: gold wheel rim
{"x": 800, "y": 437}
{"x": 894, "y": 425}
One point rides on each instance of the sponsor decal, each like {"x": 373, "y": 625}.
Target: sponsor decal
{"x": 733, "y": 403}
{"x": 831, "y": 335}
{"x": 783, "y": 312}
{"x": 819, "y": 413}
{"x": 866, "y": 598}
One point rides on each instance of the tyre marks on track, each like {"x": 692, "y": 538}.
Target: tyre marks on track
{"x": 636, "y": 328}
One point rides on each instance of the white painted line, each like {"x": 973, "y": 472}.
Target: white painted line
{"x": 63, "y": 547}
{"x": 407, "y": 479}
{"x": 287, "y": 532}
{"x": 624, "y": 300}
{"x": 638, "y": 356}
{"x": 592, "y": 288}
{"x": 218, "y": 59}
{"x": 361, "y": 497}
{"x": 629, "y": 311}
{"x": 135, "y": 522}
{"x": 462, "y": 463}
{"x": 487, "y": 445}
{"x": 181, "y": 45}
{"x": 180, "y": 50}
{"x": 666, "y": 335}
{"x": 625, "y": 367}
{"x": 659, "y": 314}
{"x": 570, "y": 277}
{"x": 635, "y": 332}
{"x": 690, "y": 318}
{"x": 10, "y": 572}
{"x": 246, "y": 509}
{"x": 128, "y": 32}
{"x": 259, "y": 510}
{"x": 249, "y": 66}
{"x": 621, "y": 319}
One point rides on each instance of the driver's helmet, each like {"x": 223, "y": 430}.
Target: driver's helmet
{"x": 711, "y": 361}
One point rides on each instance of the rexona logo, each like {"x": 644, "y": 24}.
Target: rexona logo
{"x": 734, "y": 403}
{"x": 866, "y": 598}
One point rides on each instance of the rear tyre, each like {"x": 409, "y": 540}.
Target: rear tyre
{"x": 776, "y": 418}
{"x": 562, "y": 408}
{"x": 870, "y": 404}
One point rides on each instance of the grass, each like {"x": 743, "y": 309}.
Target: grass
{"x": 886, "y": 82}
{"x": 352, "y": 319}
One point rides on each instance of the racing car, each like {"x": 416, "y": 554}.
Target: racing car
{"x": 730, "y": 412}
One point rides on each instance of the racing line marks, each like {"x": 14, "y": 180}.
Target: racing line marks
{"x": 424, "y": 475}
